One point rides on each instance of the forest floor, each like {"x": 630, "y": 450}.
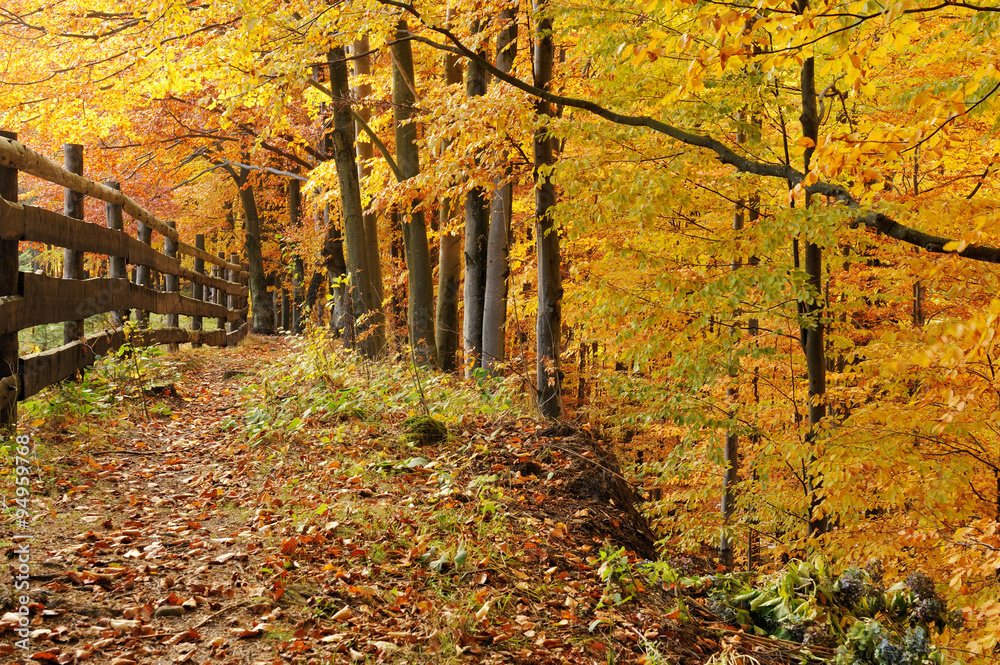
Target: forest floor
{"x": 195, "y": 521}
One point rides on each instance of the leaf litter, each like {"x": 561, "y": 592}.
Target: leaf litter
{"x": 176, "y": 540}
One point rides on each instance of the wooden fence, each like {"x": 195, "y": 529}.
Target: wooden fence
{"x": 28, "y": 299}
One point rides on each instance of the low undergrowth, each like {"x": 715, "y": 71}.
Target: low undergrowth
{"x": 384, "y": 513}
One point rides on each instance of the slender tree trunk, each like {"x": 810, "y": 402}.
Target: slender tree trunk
{"x": 449, "y": 283}
{"x": 341, "y": 320}
{"x": 498, "y": 250}
{"x": 731, "y": 449}
{"x": 477, "y": 231}
{"x": 919, "y": 288}
{"x": 367, "y": 305}
{"x": 447, "y": 326}
{"x": 362, "y": 67}
{"x": 550, "y": 291}
{"x": 312, "y": 293}
{"x": 418, "y": 260}
{"x": 813, "y": 325}
{"x": 298, "y": 265}
{"x": 263, "y": 316}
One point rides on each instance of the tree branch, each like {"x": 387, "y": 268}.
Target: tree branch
{"x": 364, "y": 125}
{"x": 870, "y": 219}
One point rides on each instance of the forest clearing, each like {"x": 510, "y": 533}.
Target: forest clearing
{"x": 411, "y": 331}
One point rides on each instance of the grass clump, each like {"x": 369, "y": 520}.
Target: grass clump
{"x": 424, "y": 430}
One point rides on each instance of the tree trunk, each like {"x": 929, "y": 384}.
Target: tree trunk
{"x": 367, "y": 305}
{"x": 477, "y": 231}
{"x": 498, "y": 250}
{"x": 420, "y": 313}
{"x": 449, "y": 263}
{"x": 550, "y": 291}
{"x": 449, "y": 280}
{"x": 298, "y": 265}
{"x": 341, "y": 320}
{"x": 263, "y": 316}
{"x": 813, "y": 312}
{"x": 731, "y": 448}
{"x": 312, "y": 293}
{"x": 362, "y": 67}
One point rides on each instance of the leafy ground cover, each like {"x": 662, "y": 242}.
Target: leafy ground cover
{"x": 281, "y": 503}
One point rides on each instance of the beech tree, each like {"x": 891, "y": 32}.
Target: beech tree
{"x": 498, "y": 248}
{"x": 367, "y": 306}
{"x": 804, "y": 393}
{"x": 418, "y": 261}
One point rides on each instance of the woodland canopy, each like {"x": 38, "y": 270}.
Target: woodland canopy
{"x": 759, "y": 240}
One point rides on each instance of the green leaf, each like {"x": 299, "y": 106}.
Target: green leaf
{"x": 415, "y": 462}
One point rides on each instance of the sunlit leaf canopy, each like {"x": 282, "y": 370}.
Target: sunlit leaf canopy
{"x": 653, "y": 270}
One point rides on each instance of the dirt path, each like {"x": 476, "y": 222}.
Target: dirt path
{"x": 142, "y": 541}
{"x": 173, "y": 540}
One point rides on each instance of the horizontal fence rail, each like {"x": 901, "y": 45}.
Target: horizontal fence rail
{"x": 29, "y": 299}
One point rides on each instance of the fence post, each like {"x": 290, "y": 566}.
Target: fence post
{"x": 231, "y": 300}
{"x": 9, "y": 268}
{"x": 244, "y": 300}
{"x": 116, "y": 264}
{"x": 171, "y": 283}
{"x": 73, "y": 207}
{"x": 197, "y": 290}
{"x": 142, "y": 273}
{"x": 220, "y": 297}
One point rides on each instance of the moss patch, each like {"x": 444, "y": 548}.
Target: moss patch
{"x": 424, "y": 430}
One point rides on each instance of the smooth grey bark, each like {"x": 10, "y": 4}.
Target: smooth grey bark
{"x": 550, "y": 292}
{"x": 420, "y": 313}
{"x": 367, "y": 305}
{"x": 498, "y": 249}
{"x": 447, "y": 326}
{"x": 477, "y": 232}
{"x": 260, "y": 300}
{"x": 333, "y": 260}
{"x": 362, "y": 67}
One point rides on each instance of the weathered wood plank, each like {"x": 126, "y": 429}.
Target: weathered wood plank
{"x": 53, "y": 300}
{"x": 11, "y": 309}
{"x": 33, "y": 224}
{"x": 16, "y": 155}
{"x": 235, "y": 337}
{"x": 40, "y": 370}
